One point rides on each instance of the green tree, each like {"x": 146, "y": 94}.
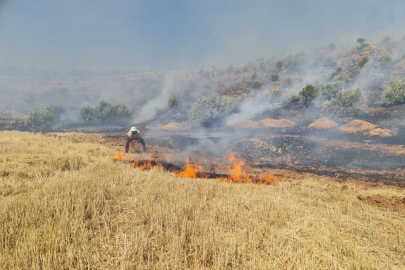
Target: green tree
{"x": 41, "y": 117}
{"x": 348, "y": 102}
{"x": 308, "y": 94}
{"x": 174, "y": 102}
{"x": 394, "y": 92}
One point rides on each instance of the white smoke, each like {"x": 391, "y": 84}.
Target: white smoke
{"x": 151, "y": 109}
{"x": 250, "y": 108}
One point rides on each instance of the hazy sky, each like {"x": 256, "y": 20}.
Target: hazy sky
{"x": 143, "y": 34}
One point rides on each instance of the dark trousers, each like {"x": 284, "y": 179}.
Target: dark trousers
{"x": 128, "y": 140}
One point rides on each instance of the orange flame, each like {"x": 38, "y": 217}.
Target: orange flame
{"x": 190, "y": 170}
{"x": 236, "y": 172}
{"x": 120, "y": 156}
{"x": 267, "y": 180}
{"x": 146, "y": 166}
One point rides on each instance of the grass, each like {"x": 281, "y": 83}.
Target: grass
{"x": 66, "y": 205}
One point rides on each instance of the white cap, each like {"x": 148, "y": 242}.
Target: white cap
{"x": 133, "y": 128}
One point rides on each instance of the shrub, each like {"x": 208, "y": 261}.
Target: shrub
{"x": 349, "y": 102}
{"x": 245, "y": 69}
{"x": 363, "y": 61}
{"x": 209, "y": 110}
{"x": 104, "y": 112}
{"x": 385, "y": 60}
{"x": 120, "y": 111}
{"x": 394, "y": 92}
{"x": 330, "y": 90}
{"x": 174, "y": 102}
{"x": 308, "y": 94}
{"x": 354, "y": 72}
{"x": 254, "y": 76}
{"x": 256, "y": 84}
{"x": 41, "y": 117}
{"x": 287, "y": 83}
{"x": 276, "y": 93}
{"x": 292, "y": 99}
{"x": 87, "y": 114}
{"x": 274, "y": 77}
{"x": 279, "y": 64}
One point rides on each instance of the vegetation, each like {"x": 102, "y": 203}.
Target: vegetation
{"x": 104, "y": 112}
{"x": 348, "y": 102}
{"x": 256, "y": 84}
{"x": 66, "y": 205}
{"x": 361, "y": 45}
{"x": 274, "y": 77}
{"x": 394, "y": 92}
{"x": 363, "y": 61}
{"x": 41, "y": 117}
{"x": 279, "y": 64}
{"x": 330, "y": 90}
{"x": 287, "y": 83}
{"x": 87, "y": 114}
{"x": 385, "y": 60}
{"x": 292, "y": 99}
{"x": 210, "y": 110}
{"x": 174, "y": 102}
{"x": 308, "y": 94}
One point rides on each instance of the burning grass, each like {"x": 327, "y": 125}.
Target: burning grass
{"x": 106, "y": 215}
{"x": 323, "y": 123}
{"x": 233, "y": 161}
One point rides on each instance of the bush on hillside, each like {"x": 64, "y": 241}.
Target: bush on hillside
{"x": 308, "y": 94}
{"x": 363, "y": 61}
{"x": 104, "y": 112}
{"x": 330, "y": 90}
{"x": 385, "y": 60}
{"x": 287, "y": 83}
{"x": 210, "y": 110}
{"x": 174, "y": 102}
{"x": 87, "y": 114}
{"x": 41, "y": 117}
{"x": 279, "y": 64}
{"x": 348, "y": 102}
{"x": 394, "y": 92}
{"x": 257, "y": 84}
{"x": 292, "y": 99}
{"x": 274, "y": 77}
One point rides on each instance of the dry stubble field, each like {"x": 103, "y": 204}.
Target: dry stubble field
{"x": 67, "y": 205}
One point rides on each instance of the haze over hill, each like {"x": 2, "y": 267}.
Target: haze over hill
{"x": 142, "y": 35}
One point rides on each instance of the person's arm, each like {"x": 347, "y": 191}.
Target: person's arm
{"x": 143, "y": 143}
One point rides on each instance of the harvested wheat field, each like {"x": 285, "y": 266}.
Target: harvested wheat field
{"x": 357, "y": 126}
{"x": 323, "y": 123}
{"x": 67, "y": 205}
{"x": 174, "y": 126}
{"x": 248, "y": 124}
{"x": 273, "y": 123}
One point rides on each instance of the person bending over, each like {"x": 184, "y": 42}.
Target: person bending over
{"x": 134, "y": 135}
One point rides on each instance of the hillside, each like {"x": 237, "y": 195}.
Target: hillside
{"x": 64, "y": 203}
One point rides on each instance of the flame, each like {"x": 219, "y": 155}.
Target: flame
{"x": 146, "y": 166}
{"x": 267, "y": 180}
{"x": 191, "y": 170}
{"x": 120, "y": 156}
{"x": 234, "y": 162}
{"x": 236, "y": 172}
